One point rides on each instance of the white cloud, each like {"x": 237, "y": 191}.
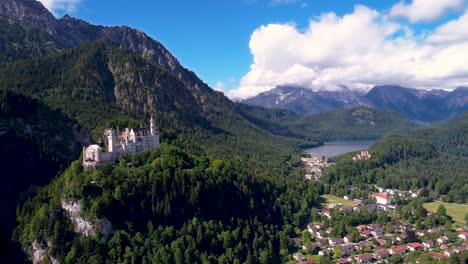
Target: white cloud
{"x": 424, "y": 10}
{"x": 360, "y": 50}
{"x": 451, "y": 32}
{"x": 219, "y": 86}
{"x": 58, "y": 6}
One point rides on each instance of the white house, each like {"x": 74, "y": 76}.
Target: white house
{"x": 382, "y": 198}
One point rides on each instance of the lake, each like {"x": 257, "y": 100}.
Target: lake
{"x": 334, "y": 148}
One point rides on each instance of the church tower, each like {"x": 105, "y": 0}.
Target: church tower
{"x": 112, "y": 140}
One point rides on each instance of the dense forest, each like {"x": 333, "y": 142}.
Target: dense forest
{"x": 432, "y": 158}
{"x": 178, "y": 208}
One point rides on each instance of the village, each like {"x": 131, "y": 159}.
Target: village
{"x": 375, "y": 229}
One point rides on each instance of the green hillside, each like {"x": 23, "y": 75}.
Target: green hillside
{"x": 432, "y": 158}
{"x": 168, "y": 206}
{"x": 354, "y": 123}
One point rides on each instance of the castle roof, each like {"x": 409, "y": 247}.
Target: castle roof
{"x": 141, "y": 131}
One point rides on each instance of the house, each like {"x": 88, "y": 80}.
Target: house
{"x": 382, "y": 254}
{"x": 343, "y": 261}
{"x": 443, "y": 240}
{"x": 309, "y": 261}
{"x": 324, "y": 252}
{"x": 347, "y": 250}
{"x": 366, "y": 233}
{"x": 374, "y": 226}
{"x": 428, "y": 244}
{"x": 321, "y": 234}
{"x": 298, "y": 256}
{"x": 438, "y": 255}
{"x": 421, "y": 233}
{"x": 397, "y": 250}
{"x": 404, "y": 226}
{"x": 311, "y": 228}
{"x": 361, "y": 227}
{"x": 377, "y": 232}
{"x": 297, "y": 242}
{"x": 463, "y": 235}
{"x": 382, "y": 242}
{"x": 364, "y": 258}
{"x": 449, "y": 252}
{"x": 415, "y": 246}
{"x": 382, "y": 198}
{"x": 346, "y": 209}
{"x": 401, "y": 238}
{"x": 459, "y": 249}
{"x": 335, "y": 241}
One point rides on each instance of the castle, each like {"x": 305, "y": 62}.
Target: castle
{"x": 126, "y": 141}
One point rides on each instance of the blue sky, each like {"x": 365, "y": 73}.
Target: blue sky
{"x": 211, "y": 37}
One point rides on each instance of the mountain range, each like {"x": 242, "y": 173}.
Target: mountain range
{"x": 415, "y": 104}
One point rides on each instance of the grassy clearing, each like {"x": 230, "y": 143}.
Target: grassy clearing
{"x": 331, "y": 199}
{"x": 456, "y": 211}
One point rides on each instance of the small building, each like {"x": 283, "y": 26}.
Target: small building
{"x": 343, "y": 261}
{"x": 311, "y": 228}
{"x": 366, "y": 233}
{"x": 324, "y": 252}
{"x": 397, "y": 250}
{"x": 438, "y": 255}
{"x": 415, "y": 246}
{"x": 463, "y": 235}
{"x": 321, "y": 234}
{"x": 382, "y": 254}
{"x": 364, "y": 258}
{"x": 443, "y": 240}
{"x": 297, "y": 242}
{"x": 308, "y": 261}
{"x": 298, "y": 256}
{"x": 347, "y": 250}
{"x": 335, "y": 241}
{"x": 377, "y": 232}
{"x": 374, "y": 226}
{"x": 361, "y": 227}
{"x": 428, "y": 244}
{"x": 382, "y": 198}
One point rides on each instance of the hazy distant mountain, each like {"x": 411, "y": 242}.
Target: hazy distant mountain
{"x": 306, "y": 101}
{"x": 418, "y": 105}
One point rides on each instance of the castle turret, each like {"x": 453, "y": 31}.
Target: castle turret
{"x": 152, "y": 126}
{"x": 112, "y": 140}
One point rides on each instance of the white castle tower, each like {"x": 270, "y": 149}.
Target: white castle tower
{"x": 112, "y": 140}
{"x": 152, "y": 126}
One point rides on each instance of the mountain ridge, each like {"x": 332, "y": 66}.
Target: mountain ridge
{"x": 417, "y": 105}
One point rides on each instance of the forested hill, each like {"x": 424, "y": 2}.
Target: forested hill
{"x": 35, "y": 143}
{"x": 166, "y": 206}
{"x": 432, "y": 158}
{"x": 353, "y": 123}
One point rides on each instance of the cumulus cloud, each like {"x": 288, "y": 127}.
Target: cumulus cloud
{"x": 57, "y": 6}
{"x": 451, "y": 32}
{"x": 424, "y": 10}
{"x": 359, "y": 50}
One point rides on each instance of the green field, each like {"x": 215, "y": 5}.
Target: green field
{"x": 456, "y": 211}
{"x": 331, "y": 199}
